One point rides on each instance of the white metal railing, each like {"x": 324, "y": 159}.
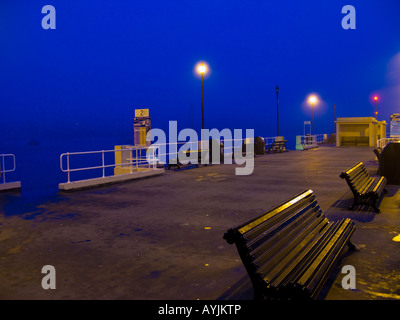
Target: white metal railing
{"x": 308, "y": 140}
{"x": 150, "y": 156}
{"x": 313, "y": 139}
{"x": 137, "y": 159}
{"x": 268, "y": 140}
{"x": 321, "y": 138}
{"x": 383, "y": 142}
{"x": 3, "y": 169}
{"x": 172, "y": 150}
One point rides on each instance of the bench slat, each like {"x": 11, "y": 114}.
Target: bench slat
{"x": 324, "y": 260}
{"x": 270, "y": 247}
{"x": 310, "y": 257}
{"x": 305, "y": 196}
{"x": 281, "y": 250}
{"x": 297, "y": 253}
{"x": 275, "y": 225}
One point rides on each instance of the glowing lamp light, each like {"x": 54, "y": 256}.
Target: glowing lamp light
{"x": 376, "y": 98}
{"x": 312, "y": 99}
{"x": 202, "y": 68}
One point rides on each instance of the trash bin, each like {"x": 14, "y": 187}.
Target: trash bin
{"x": 259, "y": 146}
{"x": 389, "y": 164}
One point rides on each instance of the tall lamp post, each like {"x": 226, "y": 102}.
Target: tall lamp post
{"x": 202, "y": 70}
{"x": 277, "y": 110}
{"x": 312, "y": 100}
{"x": 334, "y": 118}
{"x": 376, "y": 112}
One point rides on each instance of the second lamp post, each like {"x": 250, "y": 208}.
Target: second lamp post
{"x": 277, "y": 110}
{"x": 202, "y": 70}
{"x": 313, "y": 100}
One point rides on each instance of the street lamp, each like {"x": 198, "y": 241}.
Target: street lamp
{"x": 277, "y": 110}
{"x": 312, "y": 100}
{"x": 202, "y": 69}
{"x": 334, "y": 118}
{"x": 376, "y": 101}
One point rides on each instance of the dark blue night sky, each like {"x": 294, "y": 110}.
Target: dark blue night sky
{"x": 83, "y": 80}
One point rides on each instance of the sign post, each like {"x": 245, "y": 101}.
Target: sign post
{"x": 305, "y": 124}
{"x": 141, "y": 125}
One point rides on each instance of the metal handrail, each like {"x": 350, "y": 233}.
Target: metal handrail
{"x": 2, "y": 169}
{"x": 268, "y": 140}
{"x": 149, "y": 159}
{"x": 135, "y": 161}
{"x": 195, "y": 144}
{"x": 384, "y": 141}
{"x": 313, "y": 139}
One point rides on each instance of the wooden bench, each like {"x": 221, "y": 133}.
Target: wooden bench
{"x": 366, "y": 189}
{"x": 355, "y": 141}
{"x": 192, "y": 154}
{"x": 277, "y": 146}
{"x": 290, "y": 250}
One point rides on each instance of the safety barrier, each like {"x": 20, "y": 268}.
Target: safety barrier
{"x": 3, "y": 184}
{"x": 163, "y": 152}
{"x": 141, "y": 163}
{"x": 310, "y": 141}
{"x": 383, "y": 142}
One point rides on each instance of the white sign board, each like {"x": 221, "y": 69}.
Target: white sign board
{"x": 395, "y": 125}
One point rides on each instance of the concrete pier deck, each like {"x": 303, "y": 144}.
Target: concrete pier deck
{"x": 161, "y": 237}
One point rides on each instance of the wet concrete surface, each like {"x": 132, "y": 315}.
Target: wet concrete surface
{"x": 161, "y": 237}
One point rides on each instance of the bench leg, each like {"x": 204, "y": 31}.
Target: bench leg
{"x": 375, "y": 205}
{"x": 378, "y": 200}
{"x": 351, "y": 246}
{"x": 354, "y": 204}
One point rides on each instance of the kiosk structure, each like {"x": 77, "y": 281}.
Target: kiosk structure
{"x": 359, "y": 131}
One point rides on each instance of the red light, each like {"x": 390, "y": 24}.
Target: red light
{"x": 376, "y": 98}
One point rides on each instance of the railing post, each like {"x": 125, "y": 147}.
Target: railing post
{"x": 3, "y": 169}
{"x": 131, "y": 159}
{"x": 102, "y": 162}
{"x": 68, "y": 173}
{"x": 15, "y": 165}
{"x": 136, "y": 151}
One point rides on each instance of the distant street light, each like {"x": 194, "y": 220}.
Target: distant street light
{"x": 313, "y": 100}
{"x": 334, "y": 118}
{"x": 202, "y": 69}
{"x": 277, "y": 110}
{"x": 376, "y": 112}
